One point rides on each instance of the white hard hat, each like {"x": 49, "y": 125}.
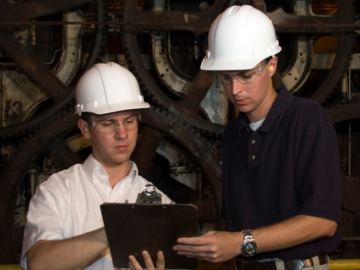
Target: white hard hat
{"x": 239, "y": 39}
{"x": 107, "y": 88}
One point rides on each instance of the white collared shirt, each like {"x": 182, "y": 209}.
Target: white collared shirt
{"x": 68, "y": 204}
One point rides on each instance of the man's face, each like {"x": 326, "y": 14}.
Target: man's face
{"x": 114, "y": 148}
{"x": 246, "y": 94}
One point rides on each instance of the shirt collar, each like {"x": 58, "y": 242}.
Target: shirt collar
{"x": 134, "y": 172}
{"x": 280, "y": 105}
{"x": 91, "y": 165}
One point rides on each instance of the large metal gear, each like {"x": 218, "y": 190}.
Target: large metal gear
{"x": 198, "y": 22}
{"x": 305, "y": 23}
{"x": 60, "y": 93}
{"x": 294, "y": 73}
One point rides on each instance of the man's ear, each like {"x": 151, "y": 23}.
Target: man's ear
{"x": 272, "y": 66}
{"x": 84, "y": 128}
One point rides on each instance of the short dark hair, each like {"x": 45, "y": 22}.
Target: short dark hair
{"x": 86, "y": 116}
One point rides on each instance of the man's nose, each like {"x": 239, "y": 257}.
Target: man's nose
{"x": 121, "y": 132}
{"x": 236, "y": 87}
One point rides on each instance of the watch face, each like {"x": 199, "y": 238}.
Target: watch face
{"x": 250, "y": 247}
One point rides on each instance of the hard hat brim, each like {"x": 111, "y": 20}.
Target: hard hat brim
{"x": 233, "y": 64}
{"x": 119, "y": 108}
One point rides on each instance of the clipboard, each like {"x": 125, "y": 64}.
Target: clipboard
{"x": 132, "y": 228}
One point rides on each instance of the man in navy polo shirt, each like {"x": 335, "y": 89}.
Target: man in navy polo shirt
{"x": 281, "y": 188}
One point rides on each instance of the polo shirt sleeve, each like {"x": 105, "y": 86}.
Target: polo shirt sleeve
{"x": 317, "y": 174}
{"x": 45, "y": 219}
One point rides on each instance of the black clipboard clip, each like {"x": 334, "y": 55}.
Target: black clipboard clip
{"x": 149, "y": 195}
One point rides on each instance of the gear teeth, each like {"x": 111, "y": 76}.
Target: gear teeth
{"x": 344, "y": 110}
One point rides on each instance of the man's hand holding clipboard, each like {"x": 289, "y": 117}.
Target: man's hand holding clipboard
{"x": 150, "y": 226}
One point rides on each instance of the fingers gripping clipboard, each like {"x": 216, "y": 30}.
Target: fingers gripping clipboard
{"x": 151, "y": 226}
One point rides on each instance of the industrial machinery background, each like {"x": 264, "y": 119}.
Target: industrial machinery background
{"x": 45, "y": 46}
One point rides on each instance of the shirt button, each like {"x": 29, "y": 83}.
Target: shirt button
{"x": 253, "y": 142}
{"x": 253, "y": 157}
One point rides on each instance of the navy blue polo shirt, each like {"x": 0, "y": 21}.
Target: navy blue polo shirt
{"x": 289, "y": 166}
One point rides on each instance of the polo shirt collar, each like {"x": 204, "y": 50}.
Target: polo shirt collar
{"x": 280, "y": 105}
{"x": 91, "y": 167}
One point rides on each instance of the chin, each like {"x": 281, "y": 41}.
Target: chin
{"x": 244, "y": 110}
{"x": 118, "y": 159}
{"x": 121, "y": 160}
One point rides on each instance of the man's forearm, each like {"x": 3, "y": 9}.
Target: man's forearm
{"x": 71, "y": 253}
{"x": 222, "y": 246}
{"x": 292, "y": 232}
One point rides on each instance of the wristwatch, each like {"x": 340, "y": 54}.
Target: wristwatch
{"x": 248, "y": 247}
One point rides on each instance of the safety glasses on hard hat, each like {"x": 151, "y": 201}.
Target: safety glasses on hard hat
{"x": 243, "y": 77}
{"x": 111, "y": 125}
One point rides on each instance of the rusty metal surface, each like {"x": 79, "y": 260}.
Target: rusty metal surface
{"x": 20, "y": 97}
{"x": 199, "y": 22}
{"x": 183, "y": 108}
{"x": 37, "y": 71}
{"x": 27, "y": 10}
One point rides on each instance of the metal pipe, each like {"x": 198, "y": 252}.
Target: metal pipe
{"x": 33, "y": 182}
{"x": 349, "y": 97}
{"x": 115, "y": 30}
{"x": 53, "y": 59}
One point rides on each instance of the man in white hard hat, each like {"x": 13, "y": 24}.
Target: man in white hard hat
{"x": 64, "y": 227}
{"x": 281, "y": 190}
